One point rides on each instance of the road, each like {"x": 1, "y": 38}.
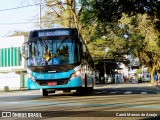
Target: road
{"x": 123, "y": 101}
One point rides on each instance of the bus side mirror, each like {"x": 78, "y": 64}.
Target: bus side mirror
{"x": 25, "y": 50}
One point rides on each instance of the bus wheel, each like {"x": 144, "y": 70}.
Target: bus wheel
{"x": 44, "y": 92}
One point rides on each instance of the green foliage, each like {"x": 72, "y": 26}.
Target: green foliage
{"x": 143, "y": 42}
{"x": 88, "y": 13}
{"x": 129, "y": 27}
{"x": 139, "y": 71}
{"x": 112, "y": 10}
{"x": 19, "y": 33}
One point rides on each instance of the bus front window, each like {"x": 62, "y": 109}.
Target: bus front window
{"x": 53, "y": 52}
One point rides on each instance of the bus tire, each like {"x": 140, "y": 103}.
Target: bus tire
{"x": 44, "y": 92}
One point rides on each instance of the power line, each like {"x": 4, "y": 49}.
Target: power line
{"x": 17, "y": 23}
{"x": 21, "y": 23}
{"x": 20, "y": 7}
{"x": 24, "y": 7}
{"x": 29, "y": 22}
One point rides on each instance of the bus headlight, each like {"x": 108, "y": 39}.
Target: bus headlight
{"x": 31, "y": 77}
{"x": 77, "y": 73}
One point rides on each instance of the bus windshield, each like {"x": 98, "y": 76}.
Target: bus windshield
{"x": 53, "y": 52}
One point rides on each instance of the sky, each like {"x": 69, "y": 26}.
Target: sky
{"x": 26, "y": 15}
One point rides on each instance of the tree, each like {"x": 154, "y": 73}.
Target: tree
{"x": 63, "y": 12}
{"x": 112, "y": 10}
{"x": 19, "y": 33}
{"x": 143, "y": 41}
{"x": 131, "y": 26}
{"x": 71, "y": 13}
{"x": 58, "y": 12}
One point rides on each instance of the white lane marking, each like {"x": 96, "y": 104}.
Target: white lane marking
{"x": 144, "y": 93}
{"x": 112, "y": 92}
{"x": 128, "y": 92}
{"x": 4, "y": 102}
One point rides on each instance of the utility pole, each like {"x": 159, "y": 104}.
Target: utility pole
{"x": 40, "y": 7}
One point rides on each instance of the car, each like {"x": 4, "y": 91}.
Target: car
{"x": 146, "y": 77}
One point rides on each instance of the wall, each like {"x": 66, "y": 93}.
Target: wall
{"x": 9, "y": 79}
{"x": 12, "y": 64}
{"x": 10, "y": 54}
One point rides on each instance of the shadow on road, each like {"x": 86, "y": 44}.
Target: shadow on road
{"x": 125, "y": 90}
{"x": 113, "y": 91}
{"x": 99, "y": 91}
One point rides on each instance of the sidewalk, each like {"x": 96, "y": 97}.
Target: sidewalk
{"x": 11, "y": 89}
{"x": 155, "y": 86}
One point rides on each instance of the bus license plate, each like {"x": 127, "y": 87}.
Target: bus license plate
{"x": 52, "y": 83}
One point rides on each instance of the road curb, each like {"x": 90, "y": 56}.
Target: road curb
{"x": 13, "y": 90}
{"x": 156, "y": 87}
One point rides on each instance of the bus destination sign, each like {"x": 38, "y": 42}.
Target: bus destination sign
{"x": 53, "y": 33}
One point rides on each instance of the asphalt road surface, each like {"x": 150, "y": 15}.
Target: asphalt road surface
{"x": 123, "y": 101}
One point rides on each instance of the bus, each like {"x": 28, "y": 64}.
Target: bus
{"x": 58, "y": 59}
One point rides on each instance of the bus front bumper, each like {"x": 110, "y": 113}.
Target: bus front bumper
{"x": 71, "y": 84}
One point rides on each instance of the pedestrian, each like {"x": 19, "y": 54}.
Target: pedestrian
{"x": 125, "y": 78}
{"x": 156, "y": 79}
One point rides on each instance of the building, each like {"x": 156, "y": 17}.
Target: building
{"x": 113, "y": 70}
{"x": 12, "y": 64}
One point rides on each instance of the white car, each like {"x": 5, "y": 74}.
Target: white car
{"x": 146, "y": 79}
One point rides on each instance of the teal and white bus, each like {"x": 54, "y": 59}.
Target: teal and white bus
{"x": 58, "y": 59}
